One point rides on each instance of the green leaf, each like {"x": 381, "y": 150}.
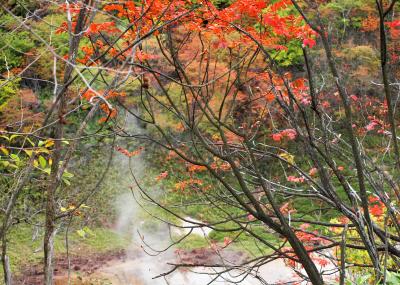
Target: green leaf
{"x": 14, "y": 157}
{"x": 42, "y": 161}
{"x": 392, "y": 278}
{"x": 66, "y": 181}
{"x": 67, "y": 174}
{"x": 13, "y": 137}
{"x": 88, "y": 231}
{"x": 81, "y": 233}
{"x": 363, "y": 279}
{"x": 30, "y": 141}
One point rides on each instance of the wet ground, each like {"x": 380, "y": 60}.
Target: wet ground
{"x": 79, "y": 266}
{"x": 136, "y": 267}
{"x": 135, "y": 272}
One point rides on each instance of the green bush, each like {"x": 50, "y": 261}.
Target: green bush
{"x": 12, "y": 48}
{"x": 22, "y": 7}
{"x": 292, "y": 56}
{"x": 344, "y": 5}
{"x": 7, "y": 90}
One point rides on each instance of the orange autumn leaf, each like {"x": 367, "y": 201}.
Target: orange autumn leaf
{"x": 128, "y": 153}
{"x": 196, "y": 168}
{"x": 162, "y": 176}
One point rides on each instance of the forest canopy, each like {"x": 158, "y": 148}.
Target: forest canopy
{"x": 234, "y": 134}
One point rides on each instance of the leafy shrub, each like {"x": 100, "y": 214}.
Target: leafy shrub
{"x": 344, "y": 5}
{"x": 12, "y": 48}
{"x": 22, "y": 7}
{"x": 7, "y": 90}
{"x": 292, "y": 56}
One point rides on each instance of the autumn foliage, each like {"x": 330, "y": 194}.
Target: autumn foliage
{"x": 276, "y": 118}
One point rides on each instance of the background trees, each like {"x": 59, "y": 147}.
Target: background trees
{"x": 276, "y": 122}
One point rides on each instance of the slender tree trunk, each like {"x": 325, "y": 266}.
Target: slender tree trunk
{"x": 6, "y": 263}
{"x": 23, "y": 179}
{"x": 49, "y": 249}
{"x": 50, "y": 225}
{"x": 56, "y": 169}
{"x": 385, "y": 77}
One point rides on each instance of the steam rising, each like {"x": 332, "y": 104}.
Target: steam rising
{"x": 149, "y": 235}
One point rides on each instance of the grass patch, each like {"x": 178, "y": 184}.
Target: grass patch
{"x": 23, "y": 250}
{"x": 193, "y": 242}
{"x": 103, "y": 240}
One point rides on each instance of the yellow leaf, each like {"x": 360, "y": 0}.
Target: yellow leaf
{"x": 4, "y": 150}
{"x": 49, "y": 143}
{"x": 288, "y": 157}
{"x": 28, "y": 152}
{"x": 42, "y": 150}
